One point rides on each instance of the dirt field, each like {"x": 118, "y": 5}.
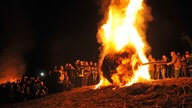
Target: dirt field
{"x": 160, "y": 94}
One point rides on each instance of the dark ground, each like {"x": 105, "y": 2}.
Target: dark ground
{"x": 160, "y": 93}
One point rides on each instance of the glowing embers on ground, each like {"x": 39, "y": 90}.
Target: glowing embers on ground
{"x": 122, "y": 39}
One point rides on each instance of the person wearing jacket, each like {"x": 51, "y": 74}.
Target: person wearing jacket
{"x": 175, "y": 61}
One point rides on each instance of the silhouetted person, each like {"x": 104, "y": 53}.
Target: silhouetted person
{"x": 189, "y": 63}
{"x": 151, "y": 67}
{"x": 183, "y": 67}
{"x": 164, "y": 67}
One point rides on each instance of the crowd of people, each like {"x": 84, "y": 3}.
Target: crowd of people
{"x": 82, "y": 73}
{"x": 178, "y": 66}
{"x": 21, "y": 90}
{"x": 85, "y": 73}
{"x": 60, "y": 78}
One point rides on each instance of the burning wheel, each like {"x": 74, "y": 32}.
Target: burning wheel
{"x": 117, "y": 67}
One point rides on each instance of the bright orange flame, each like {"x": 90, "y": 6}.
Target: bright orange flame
{"x": 125, "y": 28}
{"x": 103, "y": 82}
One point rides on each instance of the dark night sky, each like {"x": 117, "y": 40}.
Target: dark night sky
{"x": 56, "y": 32}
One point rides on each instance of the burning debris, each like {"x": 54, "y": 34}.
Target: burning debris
{"x": 123, "y": 44}
{"x": 118, "y": 67}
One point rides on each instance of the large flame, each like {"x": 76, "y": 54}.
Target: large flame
{"x": 125, "y": 28}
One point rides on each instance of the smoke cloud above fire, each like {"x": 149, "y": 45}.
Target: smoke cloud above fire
{"x": 186, "y": 38}
{"x": 16, "y": 41}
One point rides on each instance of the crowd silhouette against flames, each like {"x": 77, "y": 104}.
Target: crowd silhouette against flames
{"x": 85, "y": 73}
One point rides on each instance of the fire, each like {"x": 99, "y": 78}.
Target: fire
{"x": 9, "y": 73}
{"x": 11, "y": 68}
{"x": 8, "y": 79}
{"x": 124, "y": 31}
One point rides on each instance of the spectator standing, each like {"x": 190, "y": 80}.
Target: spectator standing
{"x": 151, "y": 66}
{"x": 95, "y": 73}
{"x": 87, "y": 74}
{"x": 157, "y": 70}
{"x": 175, "y": 61}
{"x": 183, "y": 67}
{"x": 72, "y": 74}
{"x": 164, "y": 67}
{"x": 188, "y": 63}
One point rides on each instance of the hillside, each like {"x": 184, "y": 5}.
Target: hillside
{"x": 159, "y": 93}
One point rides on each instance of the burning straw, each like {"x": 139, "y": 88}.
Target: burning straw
{"x": 122, "y": 30}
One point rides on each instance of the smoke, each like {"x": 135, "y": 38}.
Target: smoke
{"x": 18, "y": 40}
{"x": 186, "y": 38}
